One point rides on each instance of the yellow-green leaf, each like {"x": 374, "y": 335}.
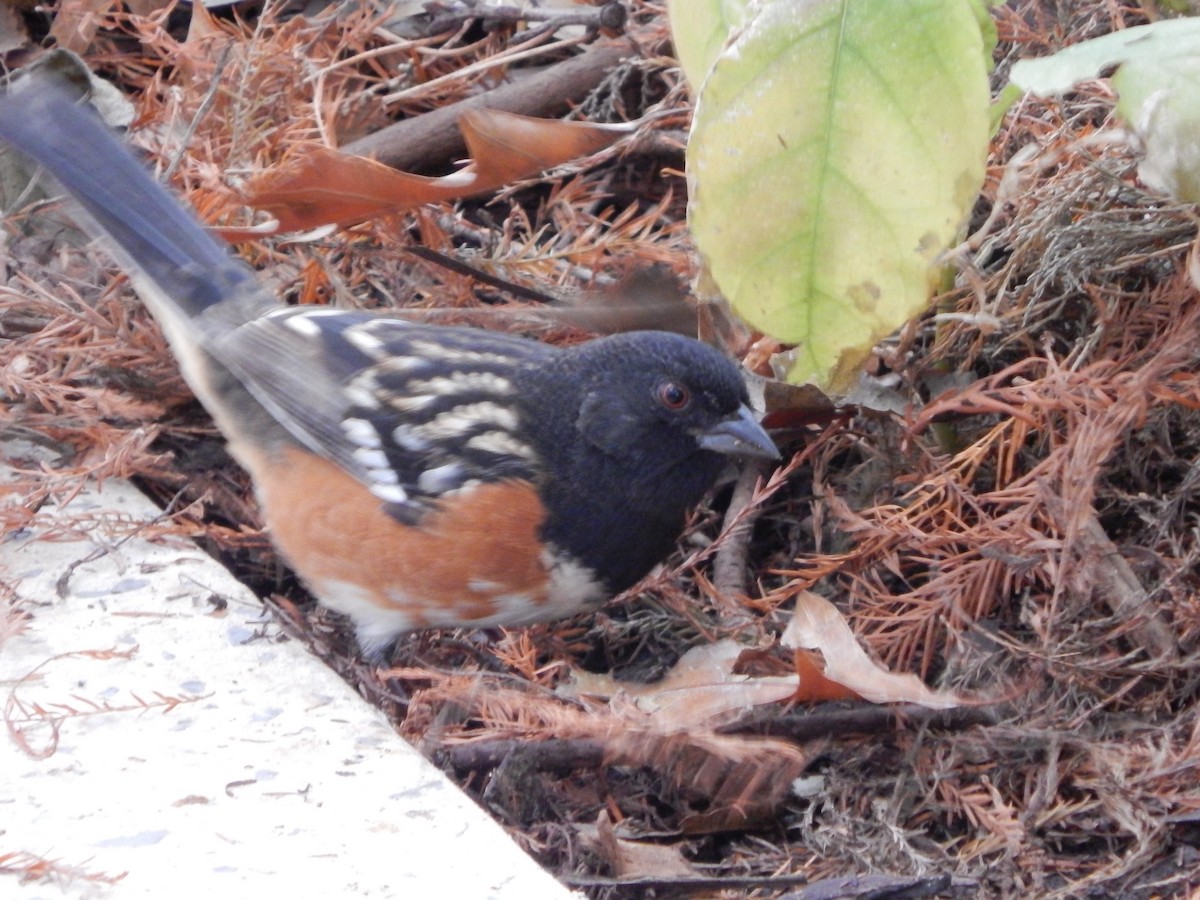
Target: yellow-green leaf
{"x": 1161, "y": 99}
{"x": 836, "y": 148}
{"x": 699, "y": 31}
{"x": 1157, "y": 82}
{"x": 1164, "y": 42}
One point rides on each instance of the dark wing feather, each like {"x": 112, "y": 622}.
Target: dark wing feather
{"x": 412, "y": 411}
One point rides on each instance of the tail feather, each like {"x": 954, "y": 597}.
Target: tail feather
{"x": 151, "y": 233}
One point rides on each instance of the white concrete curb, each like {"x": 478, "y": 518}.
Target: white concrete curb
{"x": 274, "y": 779}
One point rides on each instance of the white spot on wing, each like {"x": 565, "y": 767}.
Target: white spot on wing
{"x": 361, "y": 395}
{"x": 361, "y": 432}
{"x": 371, "y": 458}
{"x": 441, "y": 479}
{"x": 406, "y": 403}
{"x": 385, "y": 476}
{"x": 303, "y": 325}
{"x": 462, "y": 419}
{"x": 362, "y": 339}
{"x": 433, "y": 350}
{"x": 461, "y": 383}
{"x": 408, "y": 437}
{"x": 390, "y": 493}
{"x": 501, "y": 443}
{"x": 400, "y": 365}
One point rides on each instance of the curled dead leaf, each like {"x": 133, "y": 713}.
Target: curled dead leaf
{"x": 328, "y": 187}
{"x": 817, "y": 625}
{"x": 635, "y": 859}
{"x": 700, "y": 689}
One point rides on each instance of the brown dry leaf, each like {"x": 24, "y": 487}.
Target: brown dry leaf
{"x": 703, "y": 688}
{"x": 505, "y": 147}
{"x": 77, "y": 22}
{"x": 731, "y": 781}
{"x": 700, "y": 689}
{"x": 201, "y": 27}
{"x": 814, "y": 686}
{"x": 817, "y": 625}
{"x": 327, "y": 187}
{"x": 210, "y": 45}
{"x": 631, "y": 859}
{"x": 795, "y": 405}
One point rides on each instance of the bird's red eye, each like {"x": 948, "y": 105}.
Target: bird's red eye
{"x": 673, "y": 395}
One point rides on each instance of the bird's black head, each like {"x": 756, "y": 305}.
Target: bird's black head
{"x": 662, "y": 402}
{"x": 653, "y": 418}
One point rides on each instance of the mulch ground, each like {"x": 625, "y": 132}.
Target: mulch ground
{"x": 1026, "y": 533}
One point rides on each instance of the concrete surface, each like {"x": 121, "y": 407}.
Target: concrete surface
{"x": 198, "y": 753}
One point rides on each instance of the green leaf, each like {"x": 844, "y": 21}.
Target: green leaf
{"x": 1159, "y": 86}
{"x": 700, "y": 30}
{"x": 1165, "y": 41}
{"x": 835, "y": 150}
{"x": 1161, "y": 100}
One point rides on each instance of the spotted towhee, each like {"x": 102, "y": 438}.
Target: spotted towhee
{"x": 413, "y": 475}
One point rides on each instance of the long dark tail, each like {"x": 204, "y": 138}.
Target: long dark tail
{"x": 151, "y": 233}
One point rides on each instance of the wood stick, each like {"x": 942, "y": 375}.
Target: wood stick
{"x": 433, "y": 137}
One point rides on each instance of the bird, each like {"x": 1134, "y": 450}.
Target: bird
{"x": 414, "y": 476}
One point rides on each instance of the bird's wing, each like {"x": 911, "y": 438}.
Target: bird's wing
{"x": 412, "y": 411}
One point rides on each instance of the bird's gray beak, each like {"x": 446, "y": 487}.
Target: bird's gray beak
{"x": 739, "y": 436}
